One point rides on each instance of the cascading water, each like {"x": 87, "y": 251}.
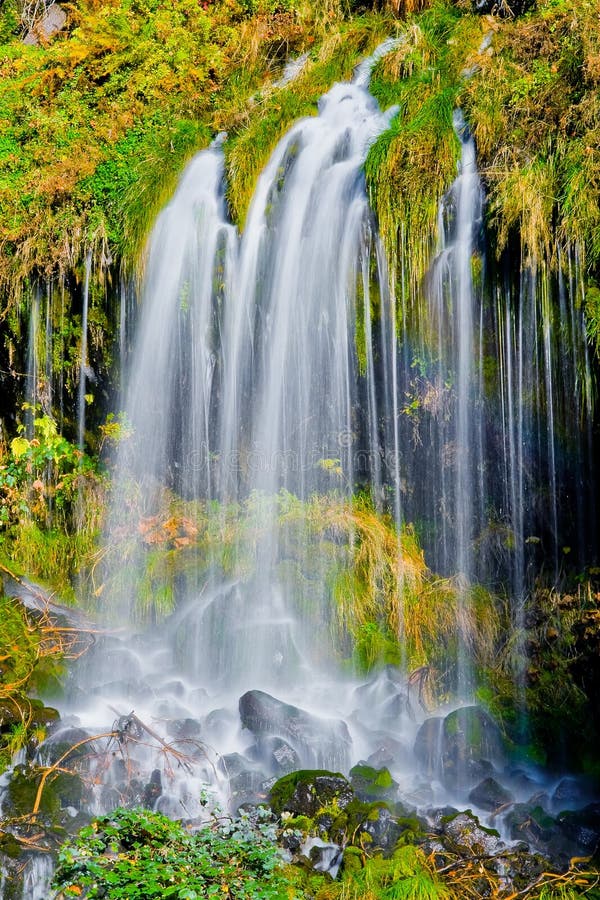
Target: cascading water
{"x": 245, "y": 393}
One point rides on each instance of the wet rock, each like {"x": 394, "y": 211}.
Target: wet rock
{"x": 220, "y": 723}
{"x": 305, "y": 792}
{"x": 248, "y": 787}
{"x": 571, "y": 792}
{"x": 233, "y": 763}
{"x": 531, "y": 824}
{"x": 322, "y": 741}
{"x": 184, "y": 729}
{"x": 463, "y": 834}
{"x": 153, "y": 789}
{"x": 582, "y": 827}
{"x": 490, "y": 795}
{"x": 67, "y": 743}
{"x": 389, "y": 752}
{"x": 383, "y": 828}
{"x": 373, "y": 784}
{"x": 470, "y": 741}
{"x": 276, "y": 755}
{"x": 428, "y": 746}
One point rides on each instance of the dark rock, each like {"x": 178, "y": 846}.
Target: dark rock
{"x": 249, "y": 787}
{"x": 490, "y": 795}
{"x": 373, "y": 784}
{"x": 233, "y": 763}
{"x": 276, "y": 755}
{"x": 582, "y": 827}
{"x": 305, "y": 792}
{"x": 322, "y": 741}
{"x": 571, "y": 792}
{"x": 531, "y": 824}
{"x": 184, "y": 729}
{"x": 63, "y": 743}
{"x": 470, "y": 741}
{"x": 428, "y": 746}
{"x": 463, "y": 834}
{"x": 383, "y": 828}
{"x": 153, "y": 789}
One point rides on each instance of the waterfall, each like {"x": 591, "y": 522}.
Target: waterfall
{"x": 277, "y": 368}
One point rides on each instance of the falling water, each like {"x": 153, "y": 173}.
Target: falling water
{"x": 83, "y": 359}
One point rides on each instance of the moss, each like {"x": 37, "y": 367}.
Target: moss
{"x": 283, "y": 790}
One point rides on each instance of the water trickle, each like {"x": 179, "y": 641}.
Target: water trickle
{"x": 83, "y": 359}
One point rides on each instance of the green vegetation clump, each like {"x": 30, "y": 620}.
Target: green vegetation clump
{"x": 141, "y": 854}
{"x": 28, "y": 660}
{"x": 51, "y": 503}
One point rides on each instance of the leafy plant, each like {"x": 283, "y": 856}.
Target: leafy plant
{"x": 140, "y": 854}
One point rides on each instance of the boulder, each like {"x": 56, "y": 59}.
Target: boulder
{"x": 373, "y": 784}
{"x": 320, "y": 741}
{"x": 463, "y": 834}
{"x": 582, "y": 827}
{"x": 276, "y": 755}
{"x": 470, "y": 741}
{"x": 305, "y": 792}
{"x": 490, "y": 795}
{"x": 428, "y": 746}
{"x": 571, "y": 792}
{"x": 184, "y": 729}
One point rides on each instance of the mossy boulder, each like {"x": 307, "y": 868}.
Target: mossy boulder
{"x": 470, "y": 743}
{"x": 306, "y": 792}
{"x": 373, "y": 784}
{"x": 464, "y": 835}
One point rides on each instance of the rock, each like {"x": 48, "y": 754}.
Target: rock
{"x": 531, "y": 824}
{"x": 276, "y": 755}
{"x": 582, "y": 827}
{"x": 233, "y": 763}
{"x": 373, "y": 784}
{"x": 305, "y": 792}
{"x": 153, "y": 789}
{"x": 220, "y": 723}
{"x": 571, "y": 792}
{"x": 470, "y": 741}
{"x": 490, "y": 795}
{"x": 64, "y": 741}
{"x": 184, "y": 729}
{"x": 249, "y": 786}
{"x": 53, "y": 21}
{"x": 383, "y": 828}
{"x": 463, "y": 834}
{"x": 428, "y": 746}
{"x": 321, "y": 741}
{"x": 389, "y": 752}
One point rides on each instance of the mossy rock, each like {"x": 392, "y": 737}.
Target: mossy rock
{"x": 471, "y": 741}
{"x": 9, "y": 845}
{"x": 22, "y": 791}
{"x": 373, "y": 784}
{"x": 306, "y": 792}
